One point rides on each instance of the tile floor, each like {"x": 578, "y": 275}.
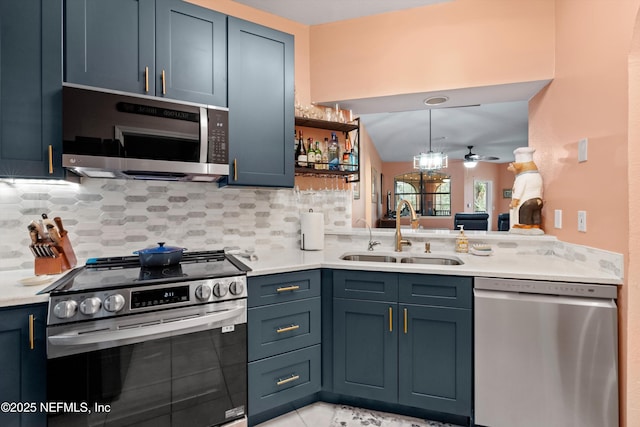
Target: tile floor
{"x": 321, "y": 414}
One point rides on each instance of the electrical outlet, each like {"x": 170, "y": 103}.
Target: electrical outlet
{"x": 582, "y": 221}
{"x": 557, "y": 218}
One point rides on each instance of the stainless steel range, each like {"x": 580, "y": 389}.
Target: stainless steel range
{"x": 159, "y": 346}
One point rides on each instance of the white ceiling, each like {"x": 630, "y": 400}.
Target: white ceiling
{"x": 493, "y": 119}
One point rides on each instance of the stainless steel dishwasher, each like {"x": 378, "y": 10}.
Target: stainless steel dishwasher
{"x": 546, "y": 354}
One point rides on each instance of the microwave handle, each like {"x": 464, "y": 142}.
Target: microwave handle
{"x": 204, "y": 135}
{"x": 183, "y": 326}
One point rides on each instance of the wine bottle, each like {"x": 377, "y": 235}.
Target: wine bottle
{"x": 311, "y": 155}
{"x": 302, "y": 152}
{"x": 318, "y": 164}
{"x": 325, "y": 155}
{"x": 346, "y": 155}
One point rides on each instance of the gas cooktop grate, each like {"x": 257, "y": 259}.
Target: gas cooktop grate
{"x": 133, "y": 260}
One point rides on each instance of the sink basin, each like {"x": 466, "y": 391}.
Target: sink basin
{"x": 433, "y": 260}
{"x": 368, "y": 258}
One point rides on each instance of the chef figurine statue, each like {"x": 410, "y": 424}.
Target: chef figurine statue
{"x": 526, "y": 195}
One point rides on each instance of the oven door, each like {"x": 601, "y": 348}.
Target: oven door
{"x": 188, "y": 376}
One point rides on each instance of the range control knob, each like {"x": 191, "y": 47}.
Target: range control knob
{"x": 220, "y": 289}
{"x": 90, "y": 306}
{"x": 236, "y": 288}
{"x": 203, "y": 292}
{"x": 65, "y": 309}
{"x": 114, "y": 303}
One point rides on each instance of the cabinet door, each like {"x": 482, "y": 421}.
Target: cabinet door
{"x": 435, "y": 355}
{"x": 365, "y": 349}
{"x": 261, "y": 117}
{"x": 110, "y": 44}
{"x": 30, "y": 89}
{"x": 23, "y": 368}
{"x": 191, "y": 53}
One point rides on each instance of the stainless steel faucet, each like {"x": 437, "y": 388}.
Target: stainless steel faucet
{"x": 400, "y": 242}
{"x": 372, "y": 242}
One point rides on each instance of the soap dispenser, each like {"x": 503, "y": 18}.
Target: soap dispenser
{"x": 462, "y": 243}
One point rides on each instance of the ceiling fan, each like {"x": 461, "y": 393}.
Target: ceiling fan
{"x": 471, "y": 159}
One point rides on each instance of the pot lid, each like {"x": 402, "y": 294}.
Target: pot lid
{"x": 160, "y": 249}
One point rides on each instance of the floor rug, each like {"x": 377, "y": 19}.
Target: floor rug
{"x": 348, "y": 416}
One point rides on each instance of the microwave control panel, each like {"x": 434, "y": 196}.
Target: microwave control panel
{"x": 218, "y": 136}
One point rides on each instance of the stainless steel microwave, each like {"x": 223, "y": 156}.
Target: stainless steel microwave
{"x": 110, "y": 134}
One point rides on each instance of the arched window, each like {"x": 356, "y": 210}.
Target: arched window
{"x": 428, "y": 192}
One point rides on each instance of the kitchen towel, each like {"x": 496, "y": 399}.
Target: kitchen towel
{"x": 312, "y": 231}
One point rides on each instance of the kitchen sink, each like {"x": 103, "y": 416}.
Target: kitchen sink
{"x": 434, "y": 260}
{"x": 416, "y": 259}
{"x": 368, "y": 258}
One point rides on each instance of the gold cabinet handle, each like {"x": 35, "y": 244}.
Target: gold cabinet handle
{"x": 146, "y": 79}
{"x": 405, "y": 321}
{"x": 288, "y": 380}
{"x": 235, "y": 169}
{"x": 50, "y": 159}
{"x": 288, "y": 288}
{"x": 390, "y": 319}
{"x": 287, "y": 328}
{"x": 31, "y": 339}
{"x": 164, "y": 86}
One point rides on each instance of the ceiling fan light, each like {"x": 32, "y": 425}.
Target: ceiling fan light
{"x": 470, "y": 164}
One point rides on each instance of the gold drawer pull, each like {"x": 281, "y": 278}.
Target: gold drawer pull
{"x": 405, "y": 321}
{"x": 235, "y": 169}
{"x": 288, "y": 380}
{"x": 288, "y": 288}
{"x": 287, "y": 329}
{"x": 31, "y": 343}
{"x": 50, "y": 159}
{"x": 146, "y": 79}
{"x": 390, "y": 319}
{"x": 164, "y": 84}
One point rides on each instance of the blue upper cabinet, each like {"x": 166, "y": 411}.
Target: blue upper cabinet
{"x": 261, "y": 117}
{"x": 110, "y": 44}
{"x": 30, "y": 89}
{"x": 191, "y": 53}
{"x": 165, "y": 48}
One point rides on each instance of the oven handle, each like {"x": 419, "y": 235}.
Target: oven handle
{"x": 182, "y": 326}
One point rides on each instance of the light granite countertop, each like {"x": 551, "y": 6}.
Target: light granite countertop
{"x": 539, "y": 258}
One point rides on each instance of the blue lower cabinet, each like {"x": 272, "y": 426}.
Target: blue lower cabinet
{"x": 435, "y": 359}
{"x": 365, "y": 356}
{"x": 23, "y": 364}
{"x": 281, "y": 379}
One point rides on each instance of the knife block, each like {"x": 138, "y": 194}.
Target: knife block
{"x": 66, "y": 259}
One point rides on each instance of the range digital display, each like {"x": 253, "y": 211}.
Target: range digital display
{"x": 154, "y": 297}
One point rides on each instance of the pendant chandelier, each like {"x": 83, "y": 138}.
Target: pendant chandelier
{"x": 430, "y": 161}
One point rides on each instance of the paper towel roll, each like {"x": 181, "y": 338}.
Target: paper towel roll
{"x": 312, "y": 231}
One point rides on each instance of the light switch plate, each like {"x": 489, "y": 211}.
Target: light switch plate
{"x": 582, "y": 221}
{"x": 583, "y": 144}
{"x": 557, "y": 218}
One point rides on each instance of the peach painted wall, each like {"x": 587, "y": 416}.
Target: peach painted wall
{"x": 464, "y": 43}
{"x": 589, "y": 98}
{"x": 461, "y": 188}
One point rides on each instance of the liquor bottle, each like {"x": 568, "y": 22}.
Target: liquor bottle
{"x": 311, "y": 155}
{"x": 302, "y": 152}
{"x": 334, "y": 153}
{"x": 325, "y": 155}
{"x": 318, "y": 164}
{"x": 299, "y": 147}
{"x": 346, "y": 155}
{"x": 295, "y": 143}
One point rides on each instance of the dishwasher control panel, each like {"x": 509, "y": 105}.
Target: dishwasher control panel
{"x": 588, "y": 290}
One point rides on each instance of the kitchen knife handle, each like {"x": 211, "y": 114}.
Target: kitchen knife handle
{"x": 31, "y": 338}
{"x": 50, "y": 159}
{"x": 146, "y": 79}
{"x": 390, "y": 319}
{"x": 61, "y": 229}
{"x": 235, "y": 169}
{"x": 164, "y": 86}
